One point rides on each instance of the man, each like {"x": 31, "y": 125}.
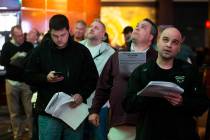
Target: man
{"x": 79, "y": 30}
{"x": 79, "y": 76}
{"x": 112, "y": 85}
{"x": 33, "y": 37}
{"x": 127, "y": 32}
{"x": 172, "y": 116}
{"x": 100, "y": 52}
{"x": 17, "y": 92}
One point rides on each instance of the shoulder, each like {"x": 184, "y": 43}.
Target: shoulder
{"x": 79, "y": 49}
{"x": 106, "y": 47}
{"x": 28, "y": 45}
{"x": 185, "y": 67}
{"x": 146, "y": 67}
{"x": 83, "y": 42}
{"x": 183, "y": 64}
{"x": 7, "y": 44}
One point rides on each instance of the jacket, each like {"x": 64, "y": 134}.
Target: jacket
{"x": 160, "y": 119}
{"x": 74, "y": 61}
{"x": 112, "y": 85}
{"x": 14, "y": 71}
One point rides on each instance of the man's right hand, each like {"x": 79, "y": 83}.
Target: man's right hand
{"x": 52, "y": 78}
{"x": 94, "y": 119}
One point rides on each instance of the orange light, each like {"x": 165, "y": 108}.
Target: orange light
{"x": 208, "y": 24}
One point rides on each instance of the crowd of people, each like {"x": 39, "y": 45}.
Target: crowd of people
{"x": 89, "y": 72}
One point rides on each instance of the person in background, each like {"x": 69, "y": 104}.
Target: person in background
{"x": 112, "y": 85}
{"x": 18, "y": 93}
{"x": 170, "y": 117}
{"x": 33, "y": 37}
{"x": 127, "y": 32}
{"x": 106, "y": 38}
{"x": 100, "y": 52}
{"x": 79, "y": 30}
{"x": 60, "y": 53}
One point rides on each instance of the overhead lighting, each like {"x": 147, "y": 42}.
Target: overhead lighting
{"x": 3, "y": 8}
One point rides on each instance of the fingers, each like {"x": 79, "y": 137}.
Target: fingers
{"x": 94, "y": 119}
{"x": 77, "y": 98}
{"x": 73, "y": 104}
{"x": 52, "y": 78}
{"x": 174, "y": 99}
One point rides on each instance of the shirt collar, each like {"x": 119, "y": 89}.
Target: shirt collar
{"x": 133, "y": 49}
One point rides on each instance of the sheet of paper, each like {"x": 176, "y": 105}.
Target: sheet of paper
{"x": 128, "y": 61}
{"x": 160, "y": 89}
{"x": 59, "y": 108}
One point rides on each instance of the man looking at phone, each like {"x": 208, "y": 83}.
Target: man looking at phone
{"x": 60, "y": 65}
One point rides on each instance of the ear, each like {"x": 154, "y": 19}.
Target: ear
{"x": 151, "y": 37}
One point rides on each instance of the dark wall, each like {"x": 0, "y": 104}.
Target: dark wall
{"x": 190, "y": 17}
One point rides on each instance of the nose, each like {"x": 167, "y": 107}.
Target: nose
{"x": 59, "y": 38}
{"x": 169, "y": 44}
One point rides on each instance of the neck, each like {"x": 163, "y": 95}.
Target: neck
{"x": 164, "y": 63}
{"x": 93, "y": 43}
{"x": 78, "y": 39}
{"x": 140, "y": 46}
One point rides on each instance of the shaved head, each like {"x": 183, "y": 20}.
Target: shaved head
{"x": 169, "y": 43}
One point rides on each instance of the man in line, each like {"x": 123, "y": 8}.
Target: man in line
{"x": 100, "y": 52}
{"x": 79, "y": 30}
{"x": 33, "y": 36}
{"x": 172, "y": 116}
{"x": 112, "y": 85}
{"x": 17, "y": 92}
{"x": 127, "y": 32}
{"x": 79, "y": 76}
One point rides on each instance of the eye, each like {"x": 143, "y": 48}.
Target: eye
{"x": 97, "y": 28}
{"x": 165, "y": 39}
{"x": 143, "y": 26}
{"x": 176, "y": 42}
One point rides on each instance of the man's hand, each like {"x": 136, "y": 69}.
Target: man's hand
{"x": 94, "y": 119}
{"x": 52, "y": 78}
{"x": 174, "y": 98}
{"x": 77, "y": 100}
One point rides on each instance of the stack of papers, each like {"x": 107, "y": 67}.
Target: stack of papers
{"x": 59, "y": 108}
{"x": 160, "y": 89}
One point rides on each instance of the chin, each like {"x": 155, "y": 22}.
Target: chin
{"x": 61, "y": 46}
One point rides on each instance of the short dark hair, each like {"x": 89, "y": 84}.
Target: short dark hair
{"x": 58, "y": 22}
{"x": 154, "y": 30}
{"x": 127, "y": 29}
{"x": 15, "y": 27}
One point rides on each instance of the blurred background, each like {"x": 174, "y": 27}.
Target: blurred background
{"x": 191, "y": 16}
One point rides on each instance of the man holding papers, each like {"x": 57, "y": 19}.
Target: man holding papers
{"x": 169, "y": 116}
{"x": 60, "y": 65}
{"x": 112, "y": 85}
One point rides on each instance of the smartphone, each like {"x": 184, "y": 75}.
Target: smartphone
{"x": 59, "y": 74}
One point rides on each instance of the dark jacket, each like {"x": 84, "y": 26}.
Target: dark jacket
{"x": 74, "y": 61}
{"x": 161, "y": 120}
{"x": 14, "y": 70}
{"x": 112, "y": 86}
